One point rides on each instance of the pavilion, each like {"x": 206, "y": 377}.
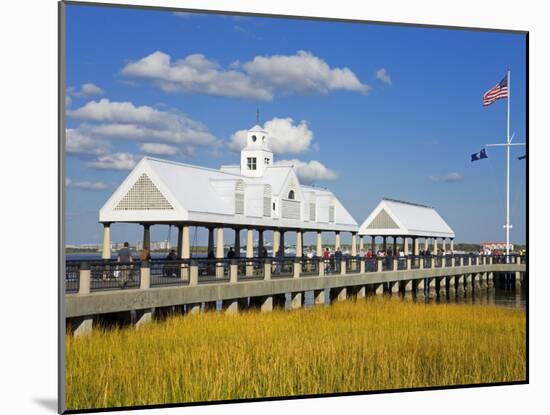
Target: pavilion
{"x": 256, "y": 195}
{"x": 405, "y": 220}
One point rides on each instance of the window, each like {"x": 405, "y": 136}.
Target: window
{"x": 266, "y": 161}
{"x": 251, "y": 163}
{"x": 274, "y": 206}
{"x": 254, "y": 138}
{"x": 291, "y": 195}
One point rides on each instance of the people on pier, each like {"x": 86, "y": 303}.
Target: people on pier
{"x": 145, "y": 255}
{"x": 124, "y": 253}
{"x": 263, "y": 252}
{"x": 230, "y": 253}
{"x": 172, "y": 255}
{"x": 124, "y": 257}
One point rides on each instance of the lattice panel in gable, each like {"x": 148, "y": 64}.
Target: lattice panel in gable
{"x": 144, "y": 195}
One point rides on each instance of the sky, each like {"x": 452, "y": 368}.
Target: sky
{"x": 368, "y": 111}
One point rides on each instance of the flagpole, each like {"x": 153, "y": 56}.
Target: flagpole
{"x": 508, "y": 172}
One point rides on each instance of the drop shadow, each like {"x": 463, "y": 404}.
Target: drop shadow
{"x": 48, "y": 403}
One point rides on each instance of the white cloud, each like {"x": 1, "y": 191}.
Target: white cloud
{"x": 90, "y": 89}
{"x": 87, "y": 185}
{"x": 258, "y": 79}
{"x": 68, "y": 100}
{"x": 302, "y": 72}
{"x": 310, "y": 171}
{"x": 124, "y": 120}
{"x": 86, "y": 90}
{"x": 115, "y": 161}
{"x": 451, "y": 177}
{"x": 79, "y": 143}
{"x": 284, "y": 136}
{"x": 383, "y": 75}
{"x": 158, "y": 149}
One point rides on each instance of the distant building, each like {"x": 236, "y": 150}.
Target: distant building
{"x": 495, "y": 246}
{"x": 156, "y": 246}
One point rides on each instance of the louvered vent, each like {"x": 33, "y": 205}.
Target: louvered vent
{"x": 383, "y": 221}
{"x": 144, "y": 195}
{"x": 312, "y": 212}
{"x": 239, "y": 198}
{"x": 267, "y": 201}
{"x": 331, "y": 213}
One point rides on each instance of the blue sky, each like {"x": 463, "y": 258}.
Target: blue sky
{"x": 388, "y": 111}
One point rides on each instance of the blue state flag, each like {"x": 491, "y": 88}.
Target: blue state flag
{"x": 522, "y": 157}
{"x": 481, "y": 155}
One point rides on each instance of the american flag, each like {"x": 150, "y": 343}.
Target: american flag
{"x": 497, "y": 92}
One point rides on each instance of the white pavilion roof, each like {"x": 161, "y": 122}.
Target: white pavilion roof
{"x": 398, "y": 218}
{"x": 162, "y": 191}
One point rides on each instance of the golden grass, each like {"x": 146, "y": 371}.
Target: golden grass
{"x": 369, "y": 345}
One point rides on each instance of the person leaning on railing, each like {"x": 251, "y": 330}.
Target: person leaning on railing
{"x": 125, "y": 258}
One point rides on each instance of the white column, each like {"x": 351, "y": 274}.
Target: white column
{"x": 337, "y": 240}
{"x": 219, "y": 243}
{"x": 435, "y": 246}
{"x": 452, "y": 245}
{"x": 319, "y": 245}
{"x": 249, "y": 243}
{"x": 415, "y": 246}
{"x": 276, "y": 241}
{"x": 361, "y": 243}
{"x": 353, "y": 245}
{"x": 405, "y": 245}
{"x": 444, "y": 245}
{"x": 426, "y": 244}
{"x": 106, "y": 252}
{"x": 185, "y": 251}
{"x": 299, "y": 250}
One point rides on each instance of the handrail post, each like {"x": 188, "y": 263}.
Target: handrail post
{"x": 297, "y": 267}
{"x": 421, "y": 262}
{"x": 193, "y": 272}
{"x": 361, "y": 265}
{"x": 379, "y": 265}
{"x": 233, "y": 271}
{"x": 409, "y": 263}
{"x": 395, "y": 264}
{"x": 321, "y": 266}
{"x": 343, "y": 267}
{"x": 453, "y": 262}
{"x": 84, "y": 278}
{"x": 267, "y": 269}
{"x": 145, "y": 276}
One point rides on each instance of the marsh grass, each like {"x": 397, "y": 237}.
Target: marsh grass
{"x": 350, "y": 346}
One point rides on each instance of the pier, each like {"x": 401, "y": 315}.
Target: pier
{"x": 138, "y": 292}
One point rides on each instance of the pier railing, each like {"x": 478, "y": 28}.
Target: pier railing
{"x": 250, "y": 269}
{"x": 212, "y": 270}
{"x": 310, "y": 267}
{"x": 169, "y": 272}
{"x": 114, "y": 275}
{"x": 282, "y": 267}
{"x": 98, "y": 275}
